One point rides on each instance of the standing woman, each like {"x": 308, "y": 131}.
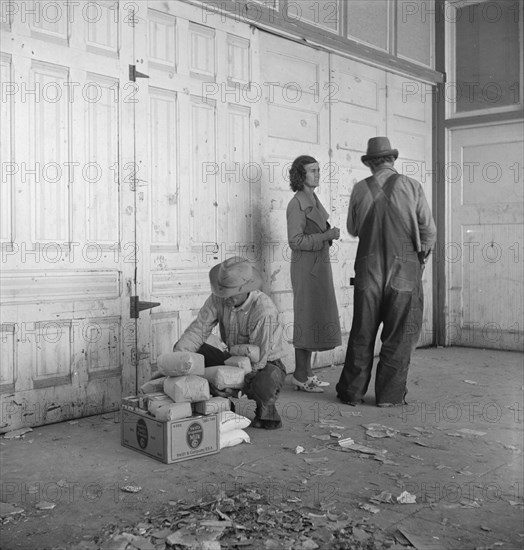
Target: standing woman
{"x": 316, "y": 323}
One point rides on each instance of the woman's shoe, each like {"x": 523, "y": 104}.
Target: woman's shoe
{"x": 308, "y": 385}
{"x": 317, "y": 382}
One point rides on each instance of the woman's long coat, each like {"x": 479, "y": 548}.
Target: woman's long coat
{"x": 316, "y": 322}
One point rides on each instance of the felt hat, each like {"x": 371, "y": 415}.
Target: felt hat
{"x": 234, "y": 276}
{"x": 379, "y": 147}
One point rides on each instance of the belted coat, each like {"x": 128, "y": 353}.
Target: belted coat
{"x": 316, "y": 325}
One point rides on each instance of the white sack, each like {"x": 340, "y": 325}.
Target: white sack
{"x": 246, "y": 350}
{"x": 239, "y": 362}
{"x": 187, "y": 389}
{"x": 228, "y": 420}
{"x": 233, "y": 437}
{"x": 181, "y": 363}
{"x": 223, "y": 377}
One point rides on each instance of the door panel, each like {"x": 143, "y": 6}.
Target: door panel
{"x": 196, "y": 122}
{"x": 297, "y": 96}
{"x": 65, "y": 322}
{"x": 484, "y": 250}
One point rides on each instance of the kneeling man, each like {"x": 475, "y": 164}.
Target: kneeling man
{"x": 245, "y": 315}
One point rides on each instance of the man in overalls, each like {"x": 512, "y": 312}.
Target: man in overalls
{"x": 389, "y": 214}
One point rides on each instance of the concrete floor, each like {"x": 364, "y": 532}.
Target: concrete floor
{"x": 468, "y": 484}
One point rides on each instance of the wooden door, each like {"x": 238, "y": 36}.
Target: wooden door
{"x": 198, "y": 125}
{"x": 484, "y": 247}
{"x": 68, "y": 243}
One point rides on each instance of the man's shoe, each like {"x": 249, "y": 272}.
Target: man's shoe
{"x": 266, "y": 424}
{"x": 272, "y": 424}
{"x": 256, "y": 423}
{"x": 351, "y": 403}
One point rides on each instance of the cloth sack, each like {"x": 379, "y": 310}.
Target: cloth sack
{"x": 214, "y": 405}
{"x": 181, "y": 363}
{"x": 228, "y": 420}
{"x": 233, "y": 437}
{"x": 224, "y": 376}
{"x": 187, "y": 389}
{"x": 246, "y": 350}
{"x": 239, "y": 362}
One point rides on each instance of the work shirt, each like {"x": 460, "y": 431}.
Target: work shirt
{"x": 254, "y": 322}
{"x": 408, "y": 196}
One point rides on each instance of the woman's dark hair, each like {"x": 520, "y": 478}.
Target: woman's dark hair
{"x": 297, "y": 172}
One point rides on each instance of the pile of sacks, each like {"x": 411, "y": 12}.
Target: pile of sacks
{"x": 183, "y": 389}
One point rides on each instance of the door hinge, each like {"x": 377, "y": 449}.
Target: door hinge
{"x": 134, "y": 74}
{"x": 137, "y": 306}
{"x": 137, "y": 356}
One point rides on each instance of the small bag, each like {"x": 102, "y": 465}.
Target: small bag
{"x": 239, "y": 362}
{"x": 181, "y": 363}
{"x": 246, "y": 350}
{"x": 224, "y": 376}
{"x": 187, "y": 389}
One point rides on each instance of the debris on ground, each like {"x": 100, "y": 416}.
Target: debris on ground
{"x": 7, "y": 509}
{"x": 248, "y": 518}
{"x": 378, "y": 431}
{"x": 131, "y": 489}
{"x": 44, "y": 505}
{"x": 16, "y": 434}
{"x": 350, "y": 413}
{"x": 406, "y": 498}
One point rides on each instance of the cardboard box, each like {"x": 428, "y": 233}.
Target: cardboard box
{"x": 172, "y": 441}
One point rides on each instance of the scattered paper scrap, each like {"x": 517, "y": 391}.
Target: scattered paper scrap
{"x": 324, "y": 437}
{"x": 323, "y": 472}
{"x": 350, "y": 413}
{"x": 406, "y": 498}
{"x": 421, "y": 542}
{"x": 350, "y": 444}
{"x": 385, "y": 460}
{"x": 15, "y": 434}
{"x": 370, "y": 508}
{"x": 384, "y": 496}
{"x": 7, "y": 509}
{"x": 131, "y": 489}
{"x": 471, "y": 382}
{"x": 313, "y": 460}
{"x": 44, "y": 505}
{"x": 299, "y": 450}
{"x": 377, "y": 430}
{"x": 471, "y": 432}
